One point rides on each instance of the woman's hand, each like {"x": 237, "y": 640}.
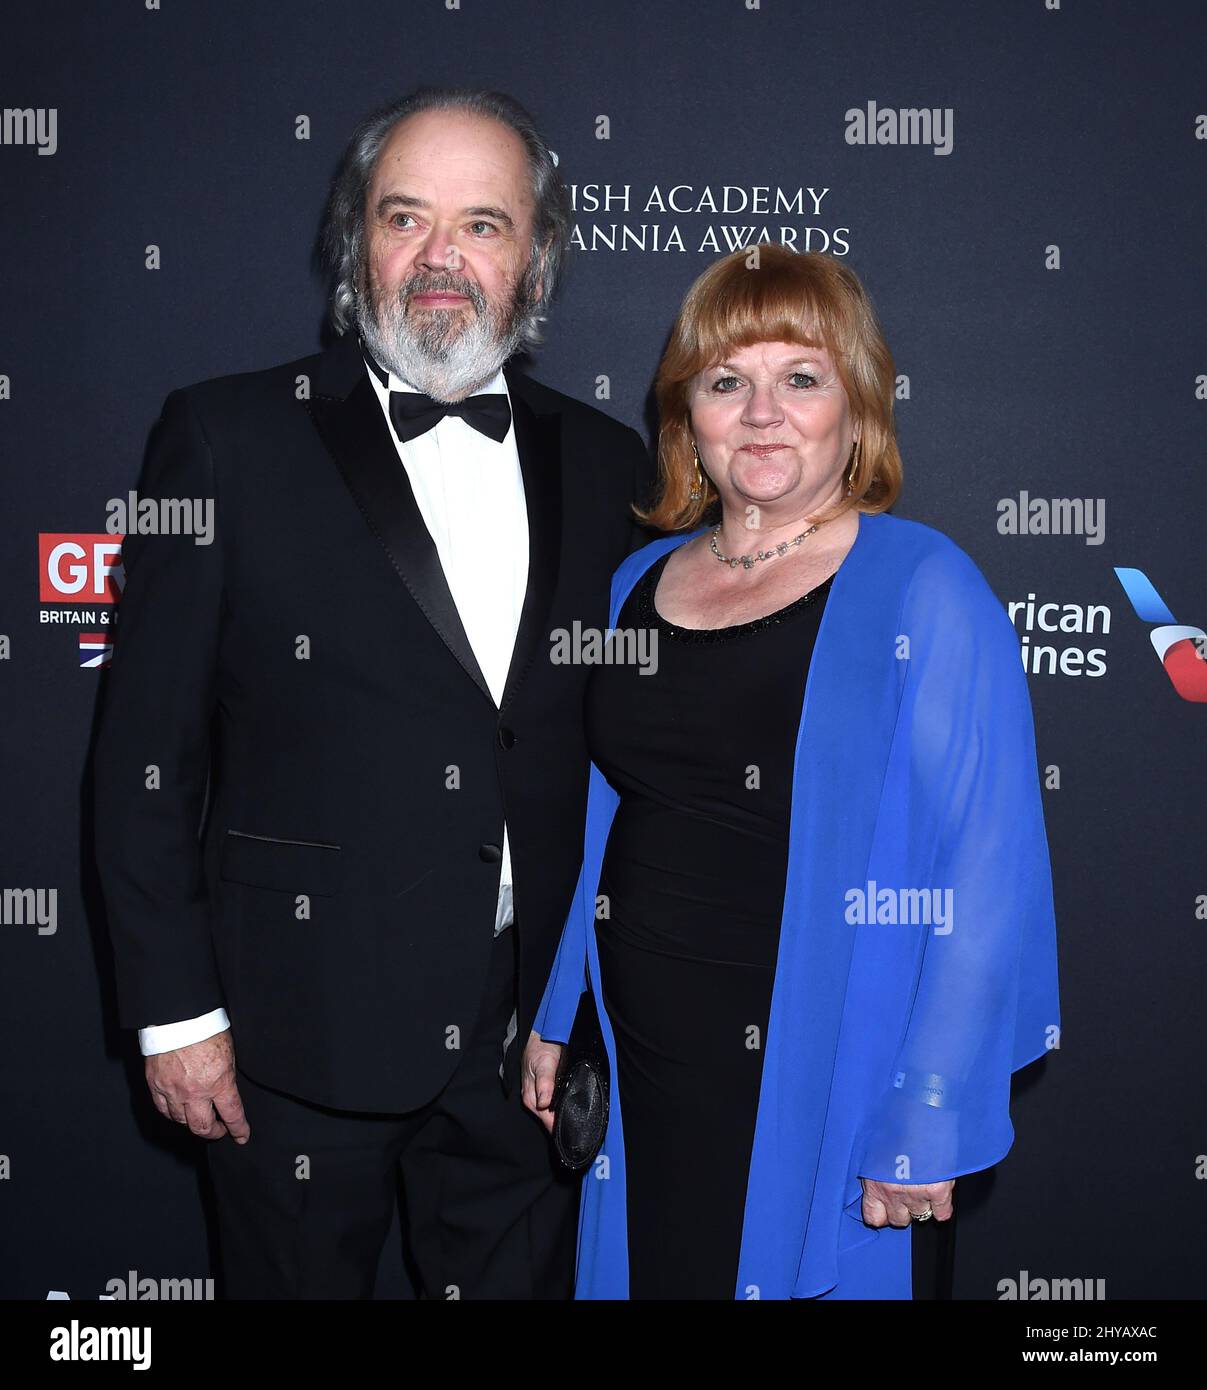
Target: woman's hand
{"x": 539, "y": 1071}
{"x": 890, "y": 1203}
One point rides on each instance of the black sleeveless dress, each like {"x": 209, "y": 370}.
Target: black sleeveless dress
{"x": 701, "y": 753}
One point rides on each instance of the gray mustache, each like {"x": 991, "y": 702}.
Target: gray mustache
{"x": 441, "y": 285}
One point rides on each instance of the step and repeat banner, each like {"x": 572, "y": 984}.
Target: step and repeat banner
{"x": 1020, "y": 184}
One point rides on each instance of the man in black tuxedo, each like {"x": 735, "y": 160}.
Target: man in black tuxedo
{"x": 340, "y": 779}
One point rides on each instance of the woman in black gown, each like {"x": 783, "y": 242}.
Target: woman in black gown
{"x": 775, "y": 372}
{"x": 693, "y": 881}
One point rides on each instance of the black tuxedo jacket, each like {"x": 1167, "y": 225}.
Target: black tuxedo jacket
{"x": 301, "y": 776}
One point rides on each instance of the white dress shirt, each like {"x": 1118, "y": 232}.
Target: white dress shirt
{"x": 470, "y": 493}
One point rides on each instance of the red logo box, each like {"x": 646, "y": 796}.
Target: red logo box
{"x": 79, "y": 567}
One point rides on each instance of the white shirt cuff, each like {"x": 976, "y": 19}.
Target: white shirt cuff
{"x": 167, "y": 1037}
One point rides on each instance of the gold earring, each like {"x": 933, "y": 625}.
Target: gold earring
{"x": 854, "y": 468}
{"x": 698, "y": 484}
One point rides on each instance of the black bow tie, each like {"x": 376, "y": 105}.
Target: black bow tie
{"x": 413, "y": 414}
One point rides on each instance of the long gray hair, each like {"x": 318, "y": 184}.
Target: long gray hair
{"x": 342, "y": 244}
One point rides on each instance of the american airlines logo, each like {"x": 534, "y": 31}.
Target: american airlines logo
{"x": 1180, "y": 649}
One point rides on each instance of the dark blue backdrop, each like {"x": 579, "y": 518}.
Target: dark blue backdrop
{"x": 1041, "y": 288}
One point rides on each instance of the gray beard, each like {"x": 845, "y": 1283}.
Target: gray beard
{"x": 446, "y": 366}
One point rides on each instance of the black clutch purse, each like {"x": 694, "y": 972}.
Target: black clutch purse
{"x": 580, "y": 1094}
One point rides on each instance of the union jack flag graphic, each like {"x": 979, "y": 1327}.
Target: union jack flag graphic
{"x": 95, "y": 649}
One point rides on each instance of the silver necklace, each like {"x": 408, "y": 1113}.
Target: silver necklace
{"x": 749, "y": 561}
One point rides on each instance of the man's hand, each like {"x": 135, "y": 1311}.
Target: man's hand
{"x": 539, "y": 1072}
{"x": 195, "y": 1086}
{"x": 890, "y": 1203}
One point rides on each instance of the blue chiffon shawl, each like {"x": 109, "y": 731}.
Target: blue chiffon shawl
{"x": 891, "y": 1042}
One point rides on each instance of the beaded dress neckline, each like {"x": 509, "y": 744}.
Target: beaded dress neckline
{"x": 650, "y": 616}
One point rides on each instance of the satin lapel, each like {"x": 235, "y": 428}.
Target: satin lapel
{"x": 348, "y": 417}
{"x": 538, "y": 443}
